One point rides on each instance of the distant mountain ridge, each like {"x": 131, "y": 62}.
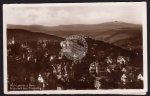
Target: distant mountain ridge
{"x": 120, "y": 33}
{"x": 77, "y": 27}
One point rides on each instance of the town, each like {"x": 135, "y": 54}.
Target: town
{"x": 42, "y": 64}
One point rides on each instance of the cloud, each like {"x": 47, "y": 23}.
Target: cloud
{"x": 53, "y": 16}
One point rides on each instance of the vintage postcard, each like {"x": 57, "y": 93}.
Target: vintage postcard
{"x": 75, "y": 48}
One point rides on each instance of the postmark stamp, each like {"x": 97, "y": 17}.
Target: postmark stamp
{"x": 74, "y": 47}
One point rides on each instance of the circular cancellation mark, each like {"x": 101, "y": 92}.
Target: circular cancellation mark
{"x": 74, "y": 47}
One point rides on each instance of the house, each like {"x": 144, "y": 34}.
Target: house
{"x": 97, "y": 84}
{"x": 44, "y": 45}
{"x": 129, "y": 68}
{"x": 13, "y": 41}
{"x": 97, "y": 66}
{"x": 101, "y": 70}
{"x": 28, "y": 57}
{"x": 100, "y": 82}
{"x": 59, "y": 68}
{"x": 51, "y": 58}
{"x": 59, "y": 76}
{"x": 59, "y": 57}
{"x": 130, "y": 76}
{"x": 128, "y": 60}
{"x": 124, "y": 70}
{"x": 123, "y": 78}
{"x": 54, "y": 69}
{"x": 108, "y": 60}
{"x": 92, "y": 68}
{"x": 121, "y": 60}
{"x": 140, "y": 77}
{"x": 112, "y": 67}
{"x": 108, "y": 70}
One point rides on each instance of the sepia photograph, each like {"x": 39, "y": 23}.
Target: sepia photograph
{"x": 75, "y": 48}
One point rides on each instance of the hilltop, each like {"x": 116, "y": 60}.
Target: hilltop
{"x": 22, "y": 35}
{"x": 122, "y": 34}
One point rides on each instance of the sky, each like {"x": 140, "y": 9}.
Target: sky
{"x": 66, "y": 15}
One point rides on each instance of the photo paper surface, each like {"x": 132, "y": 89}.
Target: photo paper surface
{"x": 75, "y": 48}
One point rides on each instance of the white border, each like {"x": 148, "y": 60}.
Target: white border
{"x": 114, "y": 91}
